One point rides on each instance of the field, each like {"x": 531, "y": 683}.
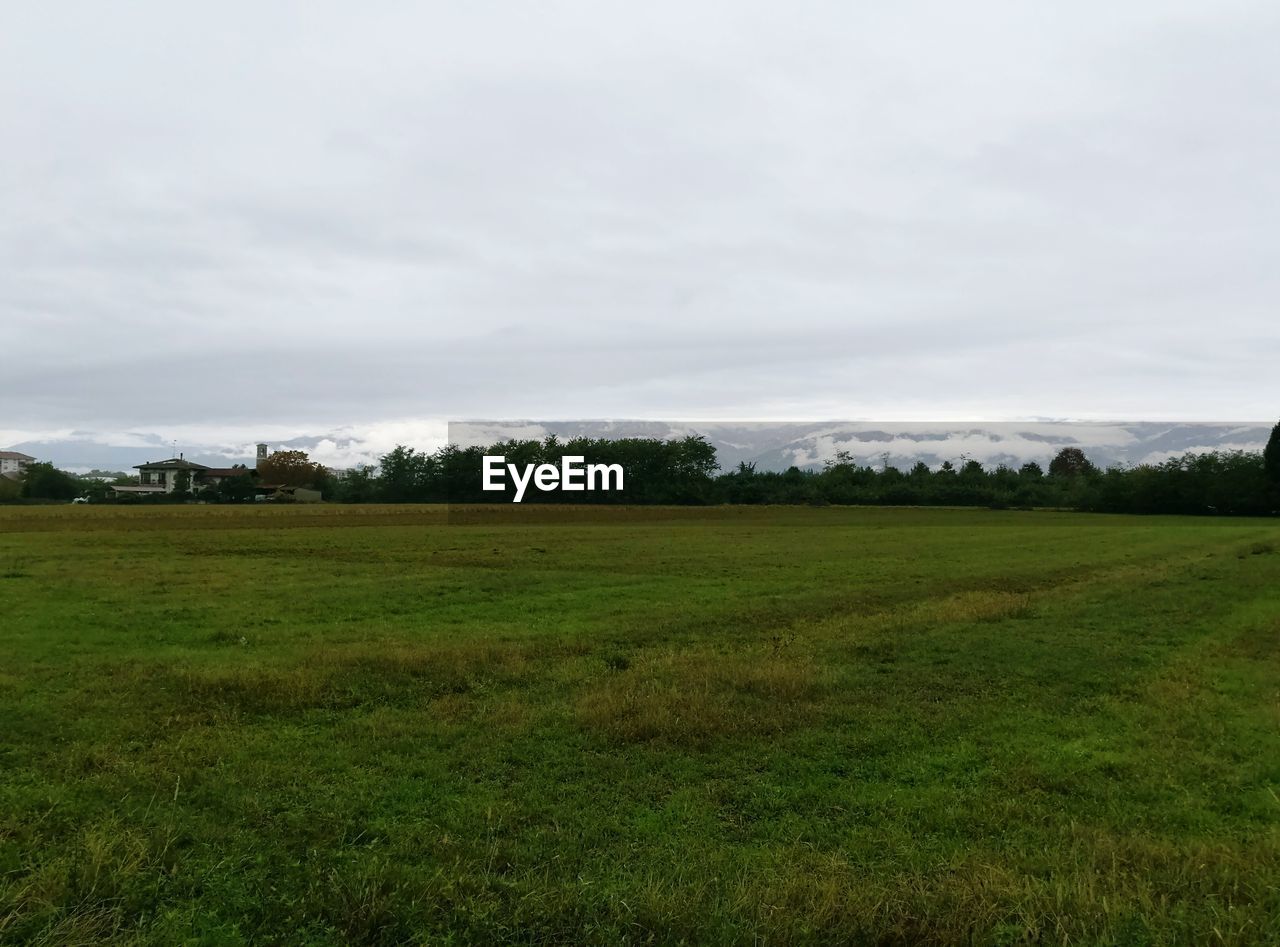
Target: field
{"x": 373, "y": 725}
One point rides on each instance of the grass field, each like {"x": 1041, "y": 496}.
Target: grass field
{"x": 370, "y": 725}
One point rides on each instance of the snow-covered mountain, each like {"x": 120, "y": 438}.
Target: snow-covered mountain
{"x": 769, "y": 445}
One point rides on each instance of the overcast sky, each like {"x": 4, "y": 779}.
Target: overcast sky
{"x": 288, "y": 217}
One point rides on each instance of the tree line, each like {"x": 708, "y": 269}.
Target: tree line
{"x": 1234, "y": 483}
{"x": 685, "y": 471}
{"x": 657, "y": 471}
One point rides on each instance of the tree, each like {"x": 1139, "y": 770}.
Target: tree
{"x": 1070, "y": 462}
{"x": 1271, "y": 457}
{"x": 1030, "y": 471}
{"x": 45, "y": 482}
{"x": 403, "y": 475}
{"x": 1005, "y": 477}
{"x": 842, "y": 459}
{"x": 182, "y": 485}
{"x": 357, "y": 485}
{"x": 292, "y": 468}
{"x": 237, "y": 489}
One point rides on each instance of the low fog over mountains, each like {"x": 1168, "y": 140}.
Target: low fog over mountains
{"x": 779, "y": 446}
{"x": 770, "y": 446}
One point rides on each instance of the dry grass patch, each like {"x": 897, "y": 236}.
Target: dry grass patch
{"x": 968, "y": 607}
{"x": 89, "y": 892}
{"x": 337, "y": 677}
{"x": 1108, "y": 890}
{"x": 690, "y": 698}
{"x": 963, "y": 608}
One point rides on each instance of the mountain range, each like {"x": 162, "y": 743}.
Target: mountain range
{"x": 768, "y": 445}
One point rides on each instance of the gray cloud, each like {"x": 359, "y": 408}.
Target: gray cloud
{"x": 317, "y": 216}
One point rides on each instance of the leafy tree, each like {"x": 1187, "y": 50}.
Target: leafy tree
{"x": 46, "y": 482}
{"x": 453, "y": 474}
{"x": 181, "y": 485}
{"x": 842, "y": 459}
{"x": 742, "y": 485}
{"x": 293, "y": 468}
{"x": 1070, "y": 462}
{"x": 1271, "y": 457}
{"x": 1005, "y": 477}
{"x": 1030, "y": 471}
{"x": 403, "y": 476}
{"x": 237, "y": 489}
{"x": 357, "y": 485}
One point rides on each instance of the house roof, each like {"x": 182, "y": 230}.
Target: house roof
{"x": 144, "y": 489}
{"x": 173, "y": 463}
{"x": 14, "y": 455}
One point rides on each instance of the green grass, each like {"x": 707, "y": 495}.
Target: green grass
{"x": 382, "y": 725}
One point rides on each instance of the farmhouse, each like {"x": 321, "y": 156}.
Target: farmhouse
{"x": 165, "y": 476}
{"x": 14, "y": 464}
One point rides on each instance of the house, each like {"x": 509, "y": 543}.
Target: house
{"x": 14, "y": 464}
{"x": 165, "y": 476}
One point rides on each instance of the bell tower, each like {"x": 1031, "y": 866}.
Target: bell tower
{"x": 262, "y": 455}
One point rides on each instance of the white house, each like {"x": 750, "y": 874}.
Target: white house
{"x": 13, "y": 463}
{"x": 164, "y": 476}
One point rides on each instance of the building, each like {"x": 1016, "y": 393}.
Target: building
{"x": 13, "y": 463}
{"x": 165, "y": 476}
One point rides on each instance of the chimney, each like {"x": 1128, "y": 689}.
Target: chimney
{"x": 262, "y": 453}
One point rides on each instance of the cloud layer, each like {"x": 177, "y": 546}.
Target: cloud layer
{"x": 770, "y": 445}
{"x": 301, "y": 216}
